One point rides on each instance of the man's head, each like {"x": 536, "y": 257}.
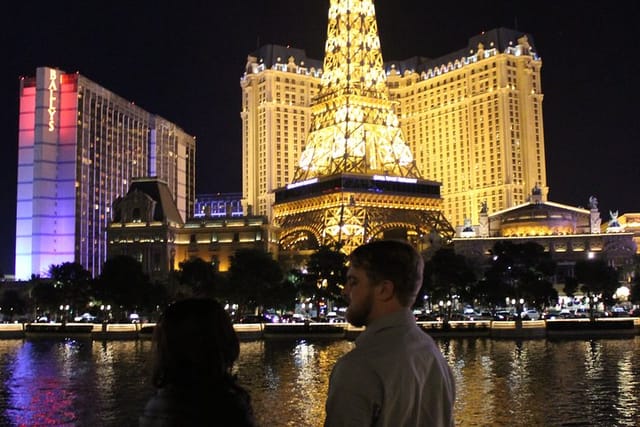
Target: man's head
{"x": 384, "y": 276}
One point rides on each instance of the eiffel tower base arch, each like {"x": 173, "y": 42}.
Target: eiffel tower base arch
{"x": 349, "y": 217}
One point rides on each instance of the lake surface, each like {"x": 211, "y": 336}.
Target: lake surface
{"x": 500, "y": 382}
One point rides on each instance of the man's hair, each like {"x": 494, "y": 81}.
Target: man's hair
{"x": 392, "y": 260}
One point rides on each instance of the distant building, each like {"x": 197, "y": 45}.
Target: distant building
{"x": 146, "y": 225}
{"x": 630, "y": 223}
{"x": 80, "y": 146}
{"x": 569, "y": 234}
{"x": 218, "y": 205}
{"x": 215, "y": 240}
{"x": 277, "y": 88}
{"x": 472, "y": 119}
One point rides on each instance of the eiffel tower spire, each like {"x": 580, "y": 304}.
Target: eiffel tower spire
{"x": 353, "y": 60}
{"x": 354, "y": 128}
{"x": 356, "y": 179}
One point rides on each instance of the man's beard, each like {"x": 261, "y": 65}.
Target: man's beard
{"x": 359, "y": 316}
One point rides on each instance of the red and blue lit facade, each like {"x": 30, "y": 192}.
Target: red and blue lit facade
{"x": 79, "y": 147}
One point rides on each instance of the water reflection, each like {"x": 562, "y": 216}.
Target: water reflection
{"x": 500, "y": 382}
{"x": 288, "y": 379}
{"x": 69, "y": 382}
{"x": 40, "y": 383}
{"x": 547, "y": 383}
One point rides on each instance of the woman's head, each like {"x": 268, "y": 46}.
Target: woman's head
{"x": 194, "y": 343}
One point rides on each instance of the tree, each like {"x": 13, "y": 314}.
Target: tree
{"x": 124, "y": 286}
{"x": 74, "y": 283}
{"x": 634, "y": 291}
{"x": 45, "y": 296}
{"x": 571, "y": 285}
{"x": 522, "y": 271}
{"x": 12, "y": 303}
{"x": 447, "y": 275}
{"x": 597, "y": 279}
{"x": 295, "y": 285}
{"x": 326, "y": 273}
{"x": 634, "y": 295}
{"x": 254, "y": 279}
{"x": 491, "y": 290}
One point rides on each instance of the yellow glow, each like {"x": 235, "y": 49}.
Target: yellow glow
{"x": 354, "y": 126}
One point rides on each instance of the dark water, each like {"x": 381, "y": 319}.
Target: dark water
{"x": 500, "y": 383}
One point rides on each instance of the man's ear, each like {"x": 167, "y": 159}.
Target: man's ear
{"x": 386, "y": 290}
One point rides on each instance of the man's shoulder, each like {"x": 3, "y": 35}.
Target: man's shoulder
{"x": 356, "y": 361}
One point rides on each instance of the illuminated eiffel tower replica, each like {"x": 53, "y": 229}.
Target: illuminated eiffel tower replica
{"x": 356, "y": 179}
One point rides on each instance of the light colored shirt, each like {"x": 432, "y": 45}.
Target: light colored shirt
{"x": 395, "y": 376}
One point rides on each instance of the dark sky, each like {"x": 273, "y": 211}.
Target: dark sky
{"x": 183, "y": 60}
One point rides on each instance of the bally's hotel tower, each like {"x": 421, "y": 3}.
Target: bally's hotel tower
{"x": 80, "y": 145}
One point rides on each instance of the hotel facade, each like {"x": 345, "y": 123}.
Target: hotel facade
{"x": 146, "y": 226}
{"x": 472, "y": 119}
{"x": 80, "y": 145}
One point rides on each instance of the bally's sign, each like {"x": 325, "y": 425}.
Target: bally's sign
{"x": 53, "y": 92}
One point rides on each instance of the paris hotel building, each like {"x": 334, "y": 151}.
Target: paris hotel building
{"x": 80, "y": 146}
{"x": 472, "y": 118}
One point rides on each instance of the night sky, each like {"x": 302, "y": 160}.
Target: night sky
{"x": 183, "y": 61}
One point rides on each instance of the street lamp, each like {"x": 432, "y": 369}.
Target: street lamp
{"x": 105, "y": 310}
{"x": 592, "y": 307}
{"x": 518, "y": 314}
{"x": 64, "y": 311}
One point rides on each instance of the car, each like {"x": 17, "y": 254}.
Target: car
{"x": 85, "y": 317}
{"x": 459, "y": 317}
{"x": 531, "y": 314}
{"x": 581, "y": 312}
{"x": 333, "y": 317}
{"x": 617, "y": 311}
{"x": 552, "y": 315}
{"x": 503, "y": 315}
{"x": 475, "y": 316}
{"x": 256, "y": 318}
{"x": 292, "y": 318}
{"x": 427, "y": 317}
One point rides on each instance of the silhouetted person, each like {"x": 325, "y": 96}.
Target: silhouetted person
{"x": 396, "y": 375}
{"x": 194, "y": 348}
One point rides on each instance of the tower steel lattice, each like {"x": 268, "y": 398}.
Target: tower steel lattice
{"x": 356, "y": 178}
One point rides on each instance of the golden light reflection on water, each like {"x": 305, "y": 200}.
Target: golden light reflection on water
{"x": 288, "y": 379}
{"x": 499, "y": 382}
{"x": 628, "y": 385}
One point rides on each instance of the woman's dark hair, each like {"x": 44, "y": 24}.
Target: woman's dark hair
{"x": 195, "y": 345}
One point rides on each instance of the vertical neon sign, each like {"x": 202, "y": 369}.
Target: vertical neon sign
{"x": 53, "y": 89}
